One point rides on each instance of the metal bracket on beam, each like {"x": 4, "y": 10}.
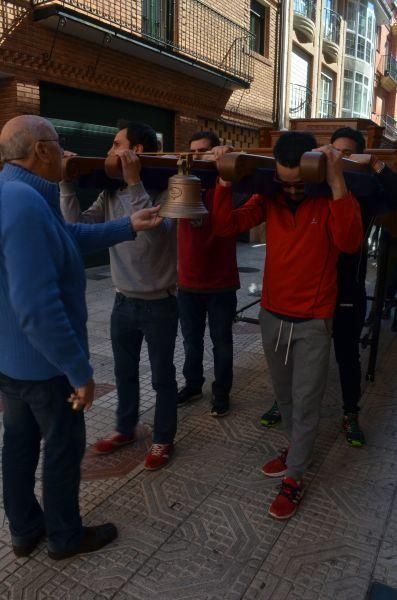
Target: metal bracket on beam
{"x": 61, "y": 24}
{"x": 106, "y": 40}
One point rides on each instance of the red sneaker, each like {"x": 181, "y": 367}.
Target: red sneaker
{"x": 159, "y": 455}
{"x": 277, "y": 467}
{"x": 112, "y": 443}
{"x": 288, "y": 499}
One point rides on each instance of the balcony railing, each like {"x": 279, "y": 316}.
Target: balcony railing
{"x": 188, "y": 29}
{"x": 306, "y": 8}
{"x": 390, "y": 126}
{"x": 300, "y": 102}
{"x": 332, "y": 25}
{"x": 390, "y": 66}
{"x": 326, "y": 109}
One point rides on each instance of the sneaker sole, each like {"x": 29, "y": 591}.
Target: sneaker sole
{"x": 191, "y": 399}
{"x": 355, "y": 444}
{"x": 284, "y": 517}
{"x": 117, "y": 447}
{"x": 219, "y": 415}
{"x": 280, "y": 474}
{"x": 269, "y": 425}
{"x": 157, "y": 468}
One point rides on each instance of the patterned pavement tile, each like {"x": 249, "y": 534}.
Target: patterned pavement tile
{"x": 386, "y": 563}
{"x": 198, "y": 529}
{"x": 120, "y": 463}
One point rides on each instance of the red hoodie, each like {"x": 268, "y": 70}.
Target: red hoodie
{"x": 302, "y": 249}
{"x": 205, "y": 262}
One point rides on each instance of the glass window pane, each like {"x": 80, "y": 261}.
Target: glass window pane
{"x": 350, "y": 44}
{"x": 351, "y": 16}
{"x": 362, "y": 19}
{"x": 360, "y": 47}
{"x": 347, "y": 95}
{"x": 368, "y": 53}
{"x": 358, "y": 92}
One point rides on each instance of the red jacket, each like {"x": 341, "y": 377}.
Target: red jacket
{"x": 206, "y": 262}
{"x": 302, "y": 249}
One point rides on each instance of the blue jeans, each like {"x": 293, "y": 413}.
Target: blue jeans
{"x": 157, "y": 322}
{"x": 221, "y": 310}
{"x": 35, "y": 410}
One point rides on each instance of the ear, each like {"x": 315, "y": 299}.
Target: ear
{"x": 138, "y": 148}
{"x": 43, "y": 152}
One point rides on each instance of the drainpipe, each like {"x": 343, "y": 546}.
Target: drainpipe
{"x": 284, "y": 43}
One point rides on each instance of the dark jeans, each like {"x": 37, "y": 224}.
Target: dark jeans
{"x": 34, "y": 410}
{"x": 157, "y": 322}
{"x": 221, "y": 310}
{"x": 347, "y": 327}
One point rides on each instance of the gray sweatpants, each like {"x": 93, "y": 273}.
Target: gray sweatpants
{"x": 298, "y": 385}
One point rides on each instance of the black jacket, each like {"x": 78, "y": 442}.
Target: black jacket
{"x": 380, "y": 198}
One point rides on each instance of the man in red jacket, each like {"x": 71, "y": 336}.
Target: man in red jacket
{"x": 305, "y": 235}
{"x": 207, "y": 283}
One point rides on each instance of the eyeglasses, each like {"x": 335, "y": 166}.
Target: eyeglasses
{"x": 61, "y": 141}
{"x": 286, "y": 185}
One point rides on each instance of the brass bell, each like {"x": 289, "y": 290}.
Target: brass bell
{"x": 184, "y": 194}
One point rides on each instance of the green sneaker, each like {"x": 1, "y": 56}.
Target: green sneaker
{"x": 354, "y": 435}
{"x": 271, "y": 417}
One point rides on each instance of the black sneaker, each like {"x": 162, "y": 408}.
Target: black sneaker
{"x": 354, "y": 434}
{"x": 220, "y": 406}
{"x": 94, "y": 538}
{"x": 271, "y": 417}
{"x": 186, "y": 395}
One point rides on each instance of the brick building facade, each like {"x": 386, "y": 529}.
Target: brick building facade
{"x": 81, "y": 62}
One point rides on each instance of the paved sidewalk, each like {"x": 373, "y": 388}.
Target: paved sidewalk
{"x": 198, "y": 529}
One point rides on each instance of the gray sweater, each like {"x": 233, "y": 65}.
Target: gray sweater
{"x": 144, "y": 268}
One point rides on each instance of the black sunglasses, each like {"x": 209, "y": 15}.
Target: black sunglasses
{"x": 299, "y": 185}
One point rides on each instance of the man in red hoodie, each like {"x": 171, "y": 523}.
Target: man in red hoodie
{"x": 305, "y": 235}
{"x": 207, "y": 283}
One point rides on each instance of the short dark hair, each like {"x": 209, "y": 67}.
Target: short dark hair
{"x": 352, "y": 134}
{"x": 206, "y": 135}
{"x": 140, "y": 133}
{"x": 291, "y": 145}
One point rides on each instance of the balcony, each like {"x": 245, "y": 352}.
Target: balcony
{"x": 305, "y": 20}
{"x": 388, "y": 67}
{"x": 300, "y": 102}
{"x": 326, "y": 109}
{"x": 176, "y": 34}
{"x": 390, "y": 126}
{"x": 331, "y": 35}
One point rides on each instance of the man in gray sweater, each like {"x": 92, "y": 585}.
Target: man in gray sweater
{"x": 144, "y": 274}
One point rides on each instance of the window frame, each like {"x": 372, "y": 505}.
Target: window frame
{"x": 259, "y": 11}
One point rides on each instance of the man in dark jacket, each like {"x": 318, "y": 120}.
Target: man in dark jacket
{"x": 351, "y": 303}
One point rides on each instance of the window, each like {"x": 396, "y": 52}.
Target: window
{"x": 157, "y": 19}
{"x": 327, "y": 106}
{"x": 356, "y": 95}
{"x": 360, "y": 35}
{"x": 258, "y": 23}
{"x": 378, "y": 37}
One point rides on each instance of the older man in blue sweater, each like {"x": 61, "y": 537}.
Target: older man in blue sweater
{"x": 44, "y": 358}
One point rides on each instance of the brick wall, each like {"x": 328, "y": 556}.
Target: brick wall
{"x": 29, "y": 54}
{"x": 238, "y": 136}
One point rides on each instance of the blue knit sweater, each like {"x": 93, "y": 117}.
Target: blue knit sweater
{"x": 43, "y": 311}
